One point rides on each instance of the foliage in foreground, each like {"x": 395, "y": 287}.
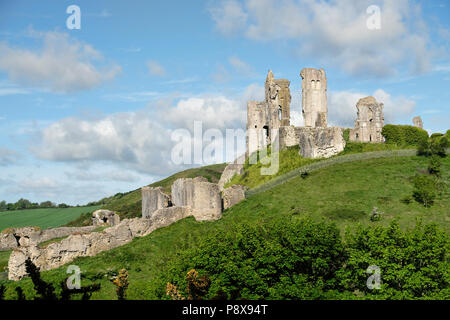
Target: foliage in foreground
{"x": 301, "y": 259}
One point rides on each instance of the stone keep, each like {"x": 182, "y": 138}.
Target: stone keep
{"x": 201, "y": 196}
{"x": 152, "y": 200}
{"x": 417, "y": 121}
{"x": 270, "y": 114}
{"x": 369, "y": 121}
{"x": 314, "y": 97}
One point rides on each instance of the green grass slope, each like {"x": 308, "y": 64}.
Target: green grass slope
{"x": 344, "y": 193}
{"x": 44, "y": 218}
{"x": 130, "y": 205}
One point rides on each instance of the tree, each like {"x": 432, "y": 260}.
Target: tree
{"x": 438, "y": 146}
{"x": 23, "y": 204}
{"x": 425, "y": 189}
{"x": 280, "y": 259}
{"x": 434, "y": 166}
{"x": 46, "y": 204}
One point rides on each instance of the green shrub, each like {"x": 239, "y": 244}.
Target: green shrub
{"x": 346, "y": 135}
{"x": 438, "y": 145}
{"x": 424, "y": 189}
{"x": 412, "y": 263}
{"x": 434, "y": 166}
{"x": 403, "y": 135}
{"x": 284, "y": 259}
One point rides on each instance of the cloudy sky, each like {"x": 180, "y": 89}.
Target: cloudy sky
{"x": 87, "y": 113}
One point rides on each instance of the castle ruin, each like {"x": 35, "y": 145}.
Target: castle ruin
{"x": 268, "y": 115}
{"x": 314, "y": 97}
{"x": 417, "y": 122}
{"x": 270, "y": 119}
{"x": 369, "y": 121}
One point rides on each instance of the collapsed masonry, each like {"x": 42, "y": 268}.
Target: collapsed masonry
{"x": 369, "y": 122}
{"x": 189, "y": 197}
{"x": 196, "y": 197}
{"x": 18, "y": 237}
{"x": 270, "y": 119}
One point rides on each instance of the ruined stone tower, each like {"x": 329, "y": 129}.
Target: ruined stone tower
{"x": 314, "y": 97}
{"x": 272, "y": 113}
{"x": 369, "y": 121}
{"x": 417, "y": 121}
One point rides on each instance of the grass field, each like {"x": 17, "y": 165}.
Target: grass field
{"x": 344, "y": 193}
{"x": 44, "y": 218}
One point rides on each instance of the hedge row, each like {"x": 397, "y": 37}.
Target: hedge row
{"x": 403, "y": 135}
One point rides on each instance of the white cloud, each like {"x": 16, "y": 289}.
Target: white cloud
{"x": 156, "y": 69}
{"x": 12, "y": 91}
{"x": 8, "y": 156}
{"x": 335, "y": 32}
{"x": 229, "y": 17}
{"x": 63, "y": 64}
{"x": 215, "y": 112}
{"x": 116, "y": 175}
{"x": 140, "y": 140}
{"x": 240, "y": 66}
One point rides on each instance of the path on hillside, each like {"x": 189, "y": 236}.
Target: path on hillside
{"x": 326, "y": 163}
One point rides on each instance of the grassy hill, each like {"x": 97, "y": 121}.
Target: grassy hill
{"x": 343, "y": 193}
{"x": 44, "y": 218}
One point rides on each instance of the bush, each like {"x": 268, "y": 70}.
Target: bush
{"x": 403, "y": 135}
{"x": 285, "y": 259}
{"x": 434, "y": 166}
{"x": 424, "y": 189}
{"x": 438, "y": 145}
{"x": 413, "y": 264}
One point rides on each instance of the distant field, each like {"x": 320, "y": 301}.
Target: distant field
{"x": 44, "y": 218}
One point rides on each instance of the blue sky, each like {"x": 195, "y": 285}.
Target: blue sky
{"x": 88, "y": 113}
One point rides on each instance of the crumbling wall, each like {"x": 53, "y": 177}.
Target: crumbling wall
{"x": 234, "y": 168}
{"x": 268, "y": 115}
{"x": 153, "y": 199}
{"x": 233, "y": 195}
{"x": 321, "y": 142}
{"x": 201, "y": 196}
{"x": 369, "y": 122}
{"x": 90, "y": 244}
{"x": 104, "y": 217}
{"x": 26, "y": 236}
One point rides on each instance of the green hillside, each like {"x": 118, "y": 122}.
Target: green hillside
{"x": 129, "y": 205}
{"x": 343, "y": 193}
{"x": 44, "y": 218}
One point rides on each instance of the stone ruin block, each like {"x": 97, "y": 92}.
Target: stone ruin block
{"x": 229, "y": 172}
{"x": 105, "y": 217}
{"x": 201, "y": 196}
{"x": 417, "y": 121}
{"x": 321, "y": 142}
{"x": 314, "y": 97}
{"x": 369, "y": 121}
{"x": 233, "y": 195}
{"x": 152, "y": 200}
